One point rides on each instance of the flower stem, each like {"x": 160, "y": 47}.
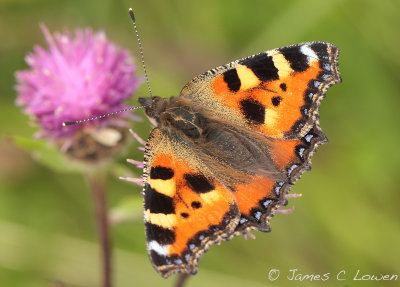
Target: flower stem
{"x": 182, "y": 278}
{"x": 98, "y": 190}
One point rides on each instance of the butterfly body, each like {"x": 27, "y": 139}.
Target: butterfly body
{"x": 225, "y": 153}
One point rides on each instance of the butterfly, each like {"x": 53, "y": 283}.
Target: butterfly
{"x": 225, "y": 153}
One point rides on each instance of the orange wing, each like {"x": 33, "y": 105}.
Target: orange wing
{"x": 186, "y": 209}
{"x": 276, "y": 93}
{"x": 262, "y": 195}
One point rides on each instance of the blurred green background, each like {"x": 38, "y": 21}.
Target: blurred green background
{"x": 348, "y": 217}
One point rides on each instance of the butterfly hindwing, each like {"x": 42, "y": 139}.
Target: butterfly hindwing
{"x": 262, "y": 195}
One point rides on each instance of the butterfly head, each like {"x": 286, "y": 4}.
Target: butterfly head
{"x": 154, "y": 106}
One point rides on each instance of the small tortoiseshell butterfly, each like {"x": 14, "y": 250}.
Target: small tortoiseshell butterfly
{"x": 226, "y": 152}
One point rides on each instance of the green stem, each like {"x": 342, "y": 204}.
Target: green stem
{"x": 98, "y": 190}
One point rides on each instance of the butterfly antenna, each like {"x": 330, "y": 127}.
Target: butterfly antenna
{"x": 140, "y": 50}
{"x": 99, "y": 117}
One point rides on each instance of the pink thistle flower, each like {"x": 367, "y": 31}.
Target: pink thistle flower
{"x": 78, "y": 76}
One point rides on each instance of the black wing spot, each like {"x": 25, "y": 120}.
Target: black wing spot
{"x": 196, "y": 204}
{"x": 297, "y": 60}
{"x": 276, "y": 101}
{"x": 199, "y": 183}
{"x": 157, "y": 202}
{"x": 184, "y": 215}
{"x": 283, "y": 87}
{"x": 263, "y": 67}
{"x": 253, "y": 111}
{"x": 160, "y": 172}
{"x": 231, "y": 78}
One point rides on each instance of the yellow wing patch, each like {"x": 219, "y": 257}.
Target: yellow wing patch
{"x": 166, "y": 187}
{"x": 247, "y": 77}
{"x": 281, "y": 64}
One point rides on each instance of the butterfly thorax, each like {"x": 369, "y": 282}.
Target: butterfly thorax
{"x": 176, "y": 113}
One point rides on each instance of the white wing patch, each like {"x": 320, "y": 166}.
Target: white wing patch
{"x": 311, "y": 56}
{"x": 160, "y": 249}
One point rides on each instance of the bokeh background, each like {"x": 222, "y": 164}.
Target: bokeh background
{"x": 348, "y": 218}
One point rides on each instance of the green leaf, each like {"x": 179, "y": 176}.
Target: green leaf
{"x": 46, "y": 154}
